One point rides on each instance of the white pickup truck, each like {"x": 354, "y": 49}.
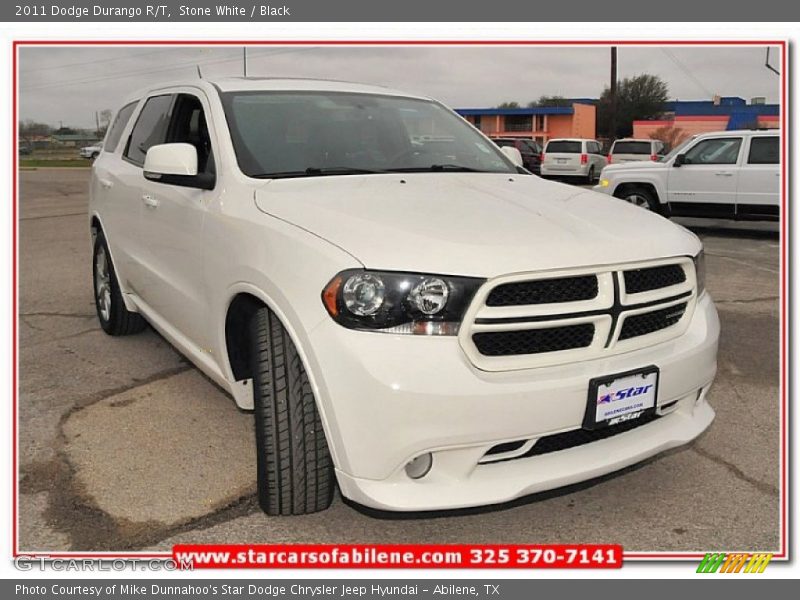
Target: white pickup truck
{"x": 727, "y": 174}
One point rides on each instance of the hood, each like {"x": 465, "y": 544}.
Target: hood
{"x": 471, "y": 224}
{"x": 640, "y": 165}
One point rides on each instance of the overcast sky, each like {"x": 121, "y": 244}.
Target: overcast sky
{"x": 69, "y": 84}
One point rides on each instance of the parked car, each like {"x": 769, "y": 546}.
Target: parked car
{"x": 530, "y": 150}
{"x": 573, "y": 158}
{"x": 426, "y": 324}
{"x": 91, "y": 151}
{"x": 724, "y": 174}
{"x": 24, "y": 150}
{"x": 633, "y": 150}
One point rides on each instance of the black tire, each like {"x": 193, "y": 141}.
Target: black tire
{"x": 114, "y": 318}
{"x": 95, "y": 155}
{"x": 295, "y": 470}
{"x": 590, "y": 175}
{"x": 641, "y": 196}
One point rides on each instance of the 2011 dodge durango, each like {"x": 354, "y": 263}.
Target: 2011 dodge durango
{"x": 407, "y": 311}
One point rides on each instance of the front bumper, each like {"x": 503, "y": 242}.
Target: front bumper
{"x": 386, "y": 399}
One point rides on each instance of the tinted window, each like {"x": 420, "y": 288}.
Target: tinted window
{"x": 505, "y": 143}
{"x": 720, "y": 151}
{"x": 764, "y": 151}
{"x": 631, "y": 148}
{"x": 188, "y": 126}
{"x": 534, "y": 147}
{"x": 123, "y": 116}
{"x": 594, "y": 148}
{"x": 564, "y": 147}
{"x": 150, "y": 128}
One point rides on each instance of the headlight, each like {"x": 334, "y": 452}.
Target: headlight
{"x": 604, "y": 182}
{"x": 700, "y": 272}
{"x": 363, "y": 294}
{"x": 408, "y": 303}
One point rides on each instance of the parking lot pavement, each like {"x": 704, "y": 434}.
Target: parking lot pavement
{"x": 125, "y": 446}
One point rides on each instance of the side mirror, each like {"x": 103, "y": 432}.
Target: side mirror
{"x": 679, "y": 160}
{"x": 176, "y": 164}
{"x": 513, "y": 155}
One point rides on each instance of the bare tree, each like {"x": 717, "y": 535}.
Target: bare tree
{"x": 29, "y": 129}
{"x": 670, "y": 135}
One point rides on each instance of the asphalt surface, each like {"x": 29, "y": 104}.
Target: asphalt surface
{"x": 123, "y": 445}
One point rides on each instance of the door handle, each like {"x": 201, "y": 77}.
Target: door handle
{"x": 150, "y": 201}
{"x": 106, "y": 183}
{"x": 724, "y": 174}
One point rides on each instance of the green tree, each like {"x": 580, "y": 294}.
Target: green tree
{"x": 511, "y": 104}
{"x": 641, "y": 97}
{"x": 550, "y": 101}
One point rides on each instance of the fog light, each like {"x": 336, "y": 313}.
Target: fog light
{"x": 419, "y": 467}
{"x": 604, "y": 182}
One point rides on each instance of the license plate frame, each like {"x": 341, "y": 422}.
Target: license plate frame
{"x": 649, "y": 375}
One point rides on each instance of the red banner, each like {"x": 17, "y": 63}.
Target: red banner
{"x": 397, "y": 556}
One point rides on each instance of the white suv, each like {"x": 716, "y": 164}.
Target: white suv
{"x": 724, "y": 174}
{"x": 573, "y": 158}
{"x": 407, "y": 312}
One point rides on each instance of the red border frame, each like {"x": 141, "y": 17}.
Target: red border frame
{"x": 784, "y": 255}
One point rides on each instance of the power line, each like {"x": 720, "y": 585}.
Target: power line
{"x": 95, "y": 62}
{"x": 687, "y": 72}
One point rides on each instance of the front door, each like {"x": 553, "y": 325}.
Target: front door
{"x": 705, "y": 184}
{"x": 172, "y": 228}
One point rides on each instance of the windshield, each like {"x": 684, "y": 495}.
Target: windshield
{"x": 305, "y": 134}
{"x": 678, "y": 149}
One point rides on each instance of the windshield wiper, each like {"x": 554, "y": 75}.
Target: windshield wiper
{"x": 318, "y": 172}
{"x": 439, "y": 168}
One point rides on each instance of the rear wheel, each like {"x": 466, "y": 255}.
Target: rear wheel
{"x": 114, "y": 318}
{"x": 590, "y": 175}
{"x": 295, "y": 470}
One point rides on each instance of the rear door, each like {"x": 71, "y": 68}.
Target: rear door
{"x": 625, "y": 151}
{"x": 536, "y": 155}
{"x": 563, "y": 155}
{"x": 705, "y": 185}
{"x": 117, "y": 213}
{"x": 527, "y": 154}
{"x": 759, "y": 179}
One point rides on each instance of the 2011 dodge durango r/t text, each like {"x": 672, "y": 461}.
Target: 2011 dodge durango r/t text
{"x": 407, "y": 311}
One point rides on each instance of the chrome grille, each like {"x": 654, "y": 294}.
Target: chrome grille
{"x": 539, "y": 319}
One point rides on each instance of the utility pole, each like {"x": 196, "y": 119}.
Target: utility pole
{"x": 612, "y": 121}
{"x": 244, "y": 60}
{"x": 96, "y": 123}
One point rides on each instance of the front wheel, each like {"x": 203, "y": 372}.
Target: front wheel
{"x": 295, "y": 470}
{"x": 641, "y": 197}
